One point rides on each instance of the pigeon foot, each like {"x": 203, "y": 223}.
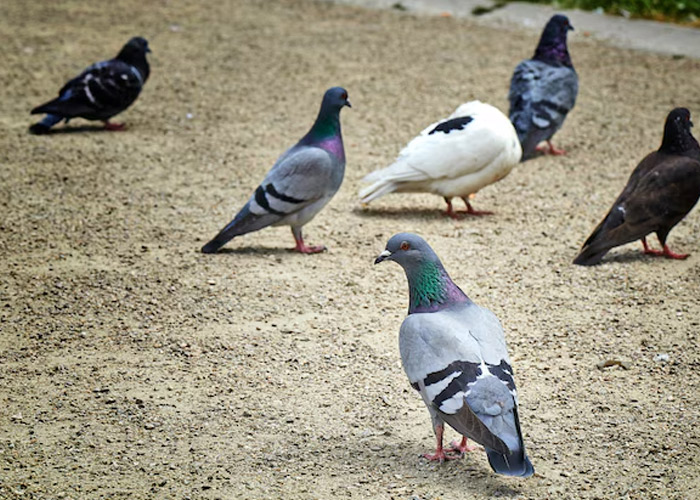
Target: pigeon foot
{"x": 460, "y": 448}
{"x": 550, "y": 150}
{"x": 115, "y": 127}
{"x": 302, "y": 248}
{"x": 666, "y": 252}
{"x": 470, "y": 210}
{"x": 440, "y": 456}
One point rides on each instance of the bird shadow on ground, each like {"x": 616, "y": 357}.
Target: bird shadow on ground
{"x": 469, "y": 473}
{"x": 628, "y": 256}
{"x": 256, "y": 250}
{"x": 400, "y": 213}
{"x": 79, "y": 129}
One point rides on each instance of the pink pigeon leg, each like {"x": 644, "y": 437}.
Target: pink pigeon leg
{"x": 439, "y": 455}
{"x": 450, "y": 211}
{"x": 471, "y": 211}
{"x": 302, "y": 247}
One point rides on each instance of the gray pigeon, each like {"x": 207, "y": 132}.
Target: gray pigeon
{"x": 543, "y": 89}
{"x": 101, "y": 91}
{"x": 454, "y": 353}
{"x": 299, "y": 184}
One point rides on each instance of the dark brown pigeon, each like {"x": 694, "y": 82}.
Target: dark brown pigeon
{"x": 661, "y": 191}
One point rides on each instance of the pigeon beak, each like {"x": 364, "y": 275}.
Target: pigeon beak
{"x": 148, "y": 50}
{"x": 382, "y": 256}
{"x": 347, "y": 103}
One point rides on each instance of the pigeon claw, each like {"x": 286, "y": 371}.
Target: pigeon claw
{"x": 301, "y": 248}
{"x": 440, "y": 456}
{"x": 460, "y": 448}
{"x": 115, "y": 127}
{"x": 666, "y": 252}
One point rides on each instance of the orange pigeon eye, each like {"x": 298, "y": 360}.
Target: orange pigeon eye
{"x": 405, "y": 245}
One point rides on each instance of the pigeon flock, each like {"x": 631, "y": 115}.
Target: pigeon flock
{"x": 453, "y": 351}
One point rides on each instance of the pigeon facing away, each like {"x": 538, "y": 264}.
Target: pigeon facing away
{"x": 299, "y": 184}
{"x": 660, "y": 192}
{"x": 101, "y": 91}
{"x": 543, "y": 89}
{"x": 472, "y": 148}
{"x": 454, "y": 353}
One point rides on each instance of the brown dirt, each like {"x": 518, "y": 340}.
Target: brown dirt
{"x": 133, "y": 366}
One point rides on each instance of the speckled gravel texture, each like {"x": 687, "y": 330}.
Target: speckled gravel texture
{"x": 134, "y": 367}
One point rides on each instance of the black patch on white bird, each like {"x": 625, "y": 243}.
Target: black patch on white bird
{"x": 261, "y": 200}
{"x": 282, "y": 197}
{"x": 504, "y": 373}
{"x": 468, "y": 372}
{"x": 415, "y": 386}
{"x": 450, "y": 125}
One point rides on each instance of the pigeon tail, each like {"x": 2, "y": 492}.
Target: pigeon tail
{"x": 516, "y": 464}
{"x": 244, "y": 222}
{"x": 45, "y": 125}
{"x": 591, "y": 255}
{"x": 377, "y": 190}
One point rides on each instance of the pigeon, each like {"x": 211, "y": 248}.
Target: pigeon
{"x": 101, "y": 91}
{"x": 474, "y": 147}
{"x": 543, "y": 89}
{"x": 660, "y": 192}
{"x": 454, "y": 354}
{"x": 299, "y": 184}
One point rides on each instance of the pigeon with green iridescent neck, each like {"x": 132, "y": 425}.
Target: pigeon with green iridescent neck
{"x": 300, "y": 183}
{"x": 454, "y": 354}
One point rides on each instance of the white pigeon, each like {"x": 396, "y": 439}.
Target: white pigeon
{"x": 474, "y": 147}
{"x": 454, "y": 354}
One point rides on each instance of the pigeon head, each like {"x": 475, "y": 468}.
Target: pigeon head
{"x": 326, "y": 129}
{"x": 134, "y": 53}
{"x": 552, "y": 46}
{"x": 430, "y": 287}
{"x": 135, "y": 48}
{"x": 677, "y": 136}
{"x": 335, "y": 99}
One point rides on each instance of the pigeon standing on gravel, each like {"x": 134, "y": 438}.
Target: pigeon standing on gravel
{"x": 454, "y": 353}
{"x": 543, "y": 89}
{"x": 101, "y": 91}
{"x": 299, "y": 184}
{"x": 660, "y": 192}
{"x": 472, "y": 148}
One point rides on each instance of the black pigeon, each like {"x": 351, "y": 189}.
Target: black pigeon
{"x": 101, "y": 91}
{"x": 660, "y": 192}
{"x": 543, "y": 89}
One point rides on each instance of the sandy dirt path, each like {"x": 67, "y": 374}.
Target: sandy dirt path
{"x": 133, "y": 366}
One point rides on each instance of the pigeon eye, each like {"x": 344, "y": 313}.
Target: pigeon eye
{"x": 405, "y": 245}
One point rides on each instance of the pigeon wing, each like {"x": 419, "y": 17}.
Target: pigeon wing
{"x": 100, "y": 92}
{"x": 655, "y": 199}
{"x": 300, "y": 178}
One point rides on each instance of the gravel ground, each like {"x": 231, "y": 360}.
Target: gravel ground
{"x": 133, "y": 366}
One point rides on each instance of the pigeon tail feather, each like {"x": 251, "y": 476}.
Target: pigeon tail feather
{"x": 244, "y": 222}
{"x": 377, "y": 190}
{"x": 516, "y": 464}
